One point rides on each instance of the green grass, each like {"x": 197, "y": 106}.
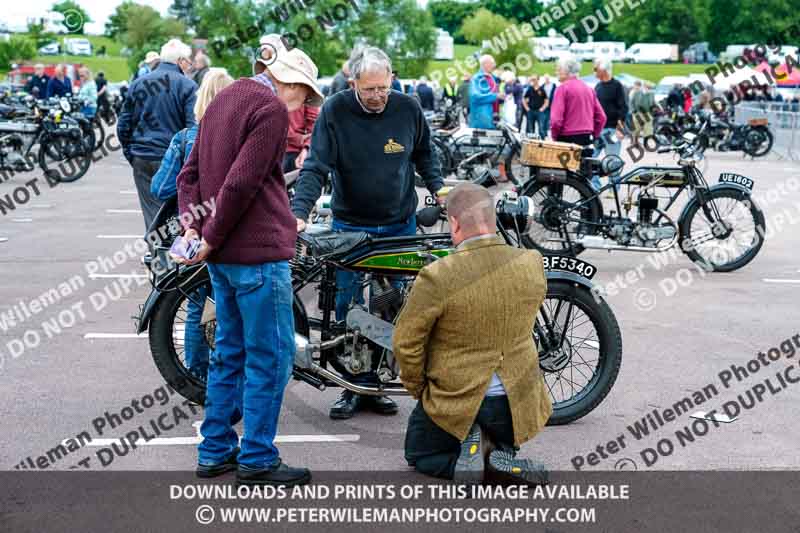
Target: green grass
{"x": 115, "y": 68}
{"x": 653, "y": 73}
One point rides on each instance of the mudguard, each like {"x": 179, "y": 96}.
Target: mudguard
{"x": 743, "y": 191}
{"x": 571, "y": 277}
{"x": 166, "y": 282}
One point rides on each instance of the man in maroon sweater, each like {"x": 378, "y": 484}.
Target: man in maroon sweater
{"x": 237, "y": 160}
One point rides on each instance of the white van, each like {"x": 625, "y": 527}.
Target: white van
{"x": 444, "y": 46}
{"x": 550, "y": 48}
{"x": 651, "y": 53}
{"x": 78, "y": 47}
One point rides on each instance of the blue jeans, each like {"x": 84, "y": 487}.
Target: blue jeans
{"x": 349, "y": 283}
{"x": 194, "y": 344}
{"x": 534, "y": 122}
{"x": 89, "y": 111}
{"x": 545, "y": 118}
{"x": 608, "y": 141}
{"x": 254, "y": 339}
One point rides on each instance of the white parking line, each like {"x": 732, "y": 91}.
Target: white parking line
{"x": 21, "y": 220}
{"x": 115, "y": 336}
{"x": 36, "y": 206}
{"x": 3, "y": 239}
{"x": 118, "y": 276}
{"x": 124, "y": 211}
{"x": 127, "y": 192}
{"x": 769, "y": 280}
{"x": 193, "y": 441}
{"x": 119, "y": 236}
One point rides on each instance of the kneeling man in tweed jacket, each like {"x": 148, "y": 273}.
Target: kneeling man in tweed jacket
{"x": 466, "y": 351}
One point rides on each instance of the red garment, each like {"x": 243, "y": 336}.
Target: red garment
{"x": 576, "y": 110}
{"x": 687, "y": 101}
{"x": 301, "y": 124}
{"x": 493, "y": 89}
{"x": 236, "y": 160}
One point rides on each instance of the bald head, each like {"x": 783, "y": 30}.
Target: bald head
{"x": 470, "y": 209}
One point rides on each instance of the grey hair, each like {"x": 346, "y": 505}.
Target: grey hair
{"x": 203, "y": 59}
{"x": 369, "y": 59}
{"x": 604, "y": 64}
{"x": 175, "y": 49}
{"x": 569, "y": 64}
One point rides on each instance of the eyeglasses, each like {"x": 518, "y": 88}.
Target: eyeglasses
{"x": 375, "y": 91}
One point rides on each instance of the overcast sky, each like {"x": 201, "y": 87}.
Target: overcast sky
{"x": 16, "y": 12}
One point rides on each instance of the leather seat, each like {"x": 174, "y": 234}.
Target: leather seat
{"x": 326, "y": 242}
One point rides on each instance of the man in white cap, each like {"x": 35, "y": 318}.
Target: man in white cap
{"x": 150, "y": 63}
{"x": 247, "y": 244}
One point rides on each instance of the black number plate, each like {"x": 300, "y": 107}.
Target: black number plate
{"x": 569, "y": 264}
{"x": 729, "y": 177}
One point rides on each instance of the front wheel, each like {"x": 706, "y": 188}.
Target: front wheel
{"x": 725, "y": 233}
{"x": 64, "y": 158}
{"x": 554, "y": 227}
{"x": 580, "y": 349}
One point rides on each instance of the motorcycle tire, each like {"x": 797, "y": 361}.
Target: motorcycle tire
{"x": 162, "y": 342}
{"x": 762, "y": 148}
{"x": 687, "y": 236}
{"x": 445, "y": 157}
{"x": 547, "y": 207}
{"x": 99, "y": 132}
{"x": 609, "y": 352}
{"x": 64, "y": 159}
{"x": 515, "y": 170}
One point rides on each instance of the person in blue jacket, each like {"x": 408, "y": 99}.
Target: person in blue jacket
{"x": 484, "y": 97}
{"x": 163, "y": 187}
{"x": 59, "y": 85}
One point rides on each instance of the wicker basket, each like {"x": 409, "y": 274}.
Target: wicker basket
{"x": 550, "y": 154}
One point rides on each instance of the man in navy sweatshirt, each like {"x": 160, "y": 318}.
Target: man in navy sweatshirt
{"x": 371, "y": 140}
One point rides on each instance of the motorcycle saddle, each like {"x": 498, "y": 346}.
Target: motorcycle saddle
{"x": 325, "y": 242}
{"x": 6, "y": 110}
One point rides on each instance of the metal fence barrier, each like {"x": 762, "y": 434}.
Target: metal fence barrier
{"x": 784, "y": 122}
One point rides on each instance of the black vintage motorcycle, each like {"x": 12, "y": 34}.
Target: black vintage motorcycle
{"x": 721, "y": 228}
{"x": 718, "y": 131}
{"x": 578, "y": 338}
{"x": 64, "y": 153}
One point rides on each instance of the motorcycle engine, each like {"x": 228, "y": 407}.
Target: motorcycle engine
{"x": 11, "y": 147}
{"x": 646, "y": 233}
{"x": 362, "y": 354}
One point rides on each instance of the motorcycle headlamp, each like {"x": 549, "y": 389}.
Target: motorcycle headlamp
{"x": 515, "y": 214}
{"x": 64, "y": 104}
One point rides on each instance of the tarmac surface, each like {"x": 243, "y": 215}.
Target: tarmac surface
{"x": 681, "y": 328}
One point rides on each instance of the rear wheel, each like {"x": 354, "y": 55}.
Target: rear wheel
{"x": 552, "y": 228}
{"x": 515, "y": 170}
{"x": 758, "y": 142}
{"x": 580, "y": 349}
{"x": 99, "y": 132}
{"x": 726, "y": 233}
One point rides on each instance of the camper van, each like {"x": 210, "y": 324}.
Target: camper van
{"x": 550, "y": 48}
{"x": 582, "y": 51}
{"x": 78, "y": 47}
{"x": 613, "y": 50}
{"x": 651, "y": 53}
{"x": 444, "y": 46}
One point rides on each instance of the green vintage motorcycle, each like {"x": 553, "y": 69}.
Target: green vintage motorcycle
{"x": 578, "y": 338}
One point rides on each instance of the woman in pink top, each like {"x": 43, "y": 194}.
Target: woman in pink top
{"x": 576, "y": 115}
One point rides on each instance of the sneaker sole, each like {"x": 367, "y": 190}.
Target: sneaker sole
{"x": 469, "y": 466}
{"x": 505, "y": 464}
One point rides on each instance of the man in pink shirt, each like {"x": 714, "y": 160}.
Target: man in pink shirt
{"x": 576, "y": 115}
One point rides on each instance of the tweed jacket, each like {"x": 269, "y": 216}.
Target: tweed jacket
{"x": 468, "y": 315}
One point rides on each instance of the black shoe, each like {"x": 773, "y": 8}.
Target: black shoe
{"x": 507, "y": 469}
{"x": 346, "y": 406}
{"x": 380, "y": 404}
{"x": 281, "y": 474}
{"x": 227, "y": 465}
{"x": 469, "y": 466}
